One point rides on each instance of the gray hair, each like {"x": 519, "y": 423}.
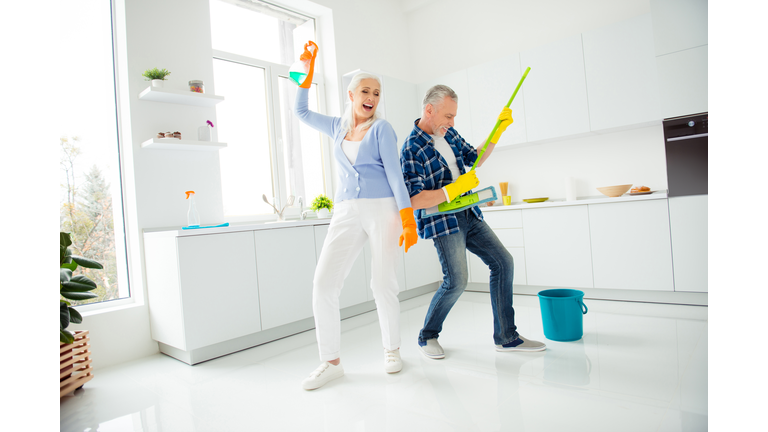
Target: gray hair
{"x": 349, "y": 116}
{"x": 436, "y": 94}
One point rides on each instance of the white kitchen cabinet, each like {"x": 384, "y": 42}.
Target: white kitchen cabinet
{"x": 356, "y": 284}
{"x": 622, "y": 82}
{"x": 422, "y": 266}
{"x": 679, "y": 25}
{"x": 458, "y": 82}
{"x": 199, "y": 296}
{"x": 683, "y": 82}
{"x": 688, "y": 218}
{"x": 490, "y": 87}
{"x": 557, "y": 246}
{"x": 504, "y": 219}
{"x": 631, "y": 245}
{"x": 286, "y": 261}
{"x": 555, "y": 90}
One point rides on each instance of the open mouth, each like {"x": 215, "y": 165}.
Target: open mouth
{"x": 368, "y": 107}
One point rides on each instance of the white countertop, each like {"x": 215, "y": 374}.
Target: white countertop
{"x": 559, "y": 202}
{"x": 245, "y": 226}
{"x": 253, "y": 226}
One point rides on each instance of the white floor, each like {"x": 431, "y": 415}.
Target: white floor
{"x": 639, "y": 367}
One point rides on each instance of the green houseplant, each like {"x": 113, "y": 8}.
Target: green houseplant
{"x": 72, "y": 287}
{"x": 157, "y": 76}
{"x": 322, "y": 205}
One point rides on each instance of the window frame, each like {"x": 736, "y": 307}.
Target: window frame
{"x": 274, "y": 71}
{"x": 128, "y": 242}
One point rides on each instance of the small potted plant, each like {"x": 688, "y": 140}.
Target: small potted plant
{"x": 157, "y": 76}
{"x": 323, "y": 206}
{"x": 74, "y": 347}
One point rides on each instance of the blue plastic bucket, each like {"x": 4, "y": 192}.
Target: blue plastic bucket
{"x": 562, "y": 314}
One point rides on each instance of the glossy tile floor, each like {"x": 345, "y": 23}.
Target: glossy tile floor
{"x": 639, "y": 367}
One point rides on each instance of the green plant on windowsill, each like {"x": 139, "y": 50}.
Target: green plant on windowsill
{"x": 155, "y": 74}
{"x": 72, "y": 288}
{"x": 322, "y": 202}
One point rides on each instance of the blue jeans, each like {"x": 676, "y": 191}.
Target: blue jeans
{"x": 477, "y": 237}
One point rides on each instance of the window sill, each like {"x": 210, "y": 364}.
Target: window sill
{"x": 108, "y": 307}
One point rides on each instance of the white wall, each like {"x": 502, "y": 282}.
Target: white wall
{"x": 371, "y": 35}
{"x": 629, "y": 157}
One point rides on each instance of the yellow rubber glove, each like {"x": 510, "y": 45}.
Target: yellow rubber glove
{"x": 464, "y": 183}
{"x": 506, "y": 120}
{"x": 309, "y": 55}
{"x": 409, "y": 235}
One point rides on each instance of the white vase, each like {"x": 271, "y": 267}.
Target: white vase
{"x": 157, "y": 83}
{"x": 323, "y": 213}
{"x": 203, "y": 133}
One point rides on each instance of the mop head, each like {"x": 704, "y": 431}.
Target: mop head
{"x": 461, "y": 203}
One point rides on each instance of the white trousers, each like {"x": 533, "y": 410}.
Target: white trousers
{"x": 354, "y": 222}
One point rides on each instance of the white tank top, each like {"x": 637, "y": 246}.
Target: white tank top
{"x": 351, "y": 148}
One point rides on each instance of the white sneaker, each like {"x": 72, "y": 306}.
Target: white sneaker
{"x": 392, "y": 361}
{"x": 432, "y": 349}
{"x": 322, "y": 375}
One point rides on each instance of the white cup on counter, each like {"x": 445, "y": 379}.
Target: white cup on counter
{"x": 570, "y": 189}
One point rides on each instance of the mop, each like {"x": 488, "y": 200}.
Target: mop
{"x": 483, "y": 195}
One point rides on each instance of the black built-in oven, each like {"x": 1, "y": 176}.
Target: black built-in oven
{"x": 687, "y": 154}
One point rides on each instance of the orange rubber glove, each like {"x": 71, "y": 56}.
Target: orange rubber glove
{"x": 309, "y": 55}
{"x": 464, "y": 183}
{"x": 409, "y": 235}
{"x": 506, "y": 120}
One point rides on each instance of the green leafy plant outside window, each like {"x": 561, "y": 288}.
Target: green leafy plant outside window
{"x": 322, "y": 201}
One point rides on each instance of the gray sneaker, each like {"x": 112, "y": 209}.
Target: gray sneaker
{"x": 432, "y": 349}
{"x": 522, "y": 344}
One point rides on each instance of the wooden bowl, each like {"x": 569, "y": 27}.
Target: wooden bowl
{"x": 614, "y": 191}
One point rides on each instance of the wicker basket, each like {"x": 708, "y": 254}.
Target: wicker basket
{"x": 75, "y": 359}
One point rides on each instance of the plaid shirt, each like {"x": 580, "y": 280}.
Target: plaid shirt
{"x": 425, "y": 169}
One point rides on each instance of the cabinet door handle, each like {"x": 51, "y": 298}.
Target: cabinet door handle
{"x": 687, "y": 137}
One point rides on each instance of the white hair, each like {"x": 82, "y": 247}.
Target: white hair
{"x": 349, "y": 116}
{"x": 436, "y": 94}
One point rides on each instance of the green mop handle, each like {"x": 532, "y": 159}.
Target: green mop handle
{"x": 498, "y": 122}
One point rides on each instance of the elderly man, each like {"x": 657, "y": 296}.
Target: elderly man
{"x": 435, "y": 160}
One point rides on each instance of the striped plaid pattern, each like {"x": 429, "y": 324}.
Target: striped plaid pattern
{"x": 425, "y": 169}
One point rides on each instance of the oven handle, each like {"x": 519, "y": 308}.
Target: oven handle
{"x": 687, "y": 137}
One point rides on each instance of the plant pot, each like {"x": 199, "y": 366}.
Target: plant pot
{"x": 157, "y": 83}
{"x": 75, "y": 363}
{"x": 323, "y": 213}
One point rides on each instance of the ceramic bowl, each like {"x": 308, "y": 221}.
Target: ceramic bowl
{"x": 614, "y": 191}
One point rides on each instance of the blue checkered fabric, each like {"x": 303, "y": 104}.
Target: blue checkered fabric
{"x": 424, "y": 168}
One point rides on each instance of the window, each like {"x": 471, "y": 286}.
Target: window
{"x": 91, "y": 204}
{"x": 269, "y": 152}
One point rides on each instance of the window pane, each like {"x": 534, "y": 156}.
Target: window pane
{"x": 246, "y": 163}
{"x": 91, "y": 195}
{"x": 302, "y": 146}
{"x": 259, "y": 30}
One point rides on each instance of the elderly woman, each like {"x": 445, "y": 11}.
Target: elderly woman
{"x": 371, "y": 204}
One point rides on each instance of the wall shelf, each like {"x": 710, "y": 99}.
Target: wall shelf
{"x": 177, "y": 144}
{"x": 159, "y": 94}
